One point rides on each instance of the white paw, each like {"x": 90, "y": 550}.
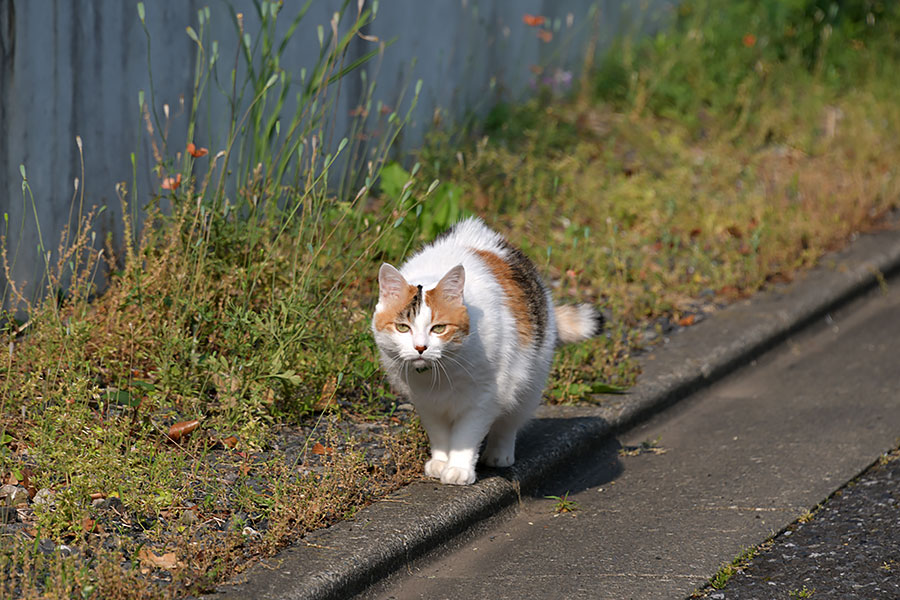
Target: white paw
{"x": 498, "y": 458}
{"x": 458, "y": 475}
{"x": 434, "y": 468}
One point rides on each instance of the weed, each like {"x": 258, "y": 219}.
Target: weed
{"x": 727, "y": 571}
{"x": 645, "y": 447}
{"x": 803, "y": 592}
{"x": 563, "y": 504}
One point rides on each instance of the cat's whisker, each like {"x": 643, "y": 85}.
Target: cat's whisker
{"x": 434, "y": 373}
{"x": 459, "y": 363}
{"x": 442, "y": 367}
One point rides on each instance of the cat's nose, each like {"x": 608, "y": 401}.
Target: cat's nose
{"x": 421, "y": 349}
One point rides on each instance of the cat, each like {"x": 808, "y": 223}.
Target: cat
{"x": 466, "y": 332}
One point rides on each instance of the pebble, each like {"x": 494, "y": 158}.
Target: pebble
{"x": 112, "y": 503}
{"x": 189, "y": 517}
{"x": 44, "y": 496}
{"x": 249, "y": 532}
{"x": 13, "y": 495}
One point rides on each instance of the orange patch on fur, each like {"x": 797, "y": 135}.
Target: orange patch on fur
{"x": 392, "y": 310}
{"x": 516, "y": 300}
{"x": 453, "y": 314}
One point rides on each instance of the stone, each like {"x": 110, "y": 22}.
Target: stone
{"x": 13, "y": 495}
{"x": 44, "y": 496}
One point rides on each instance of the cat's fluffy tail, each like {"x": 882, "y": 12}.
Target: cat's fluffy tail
{"x": 578, "y": 322}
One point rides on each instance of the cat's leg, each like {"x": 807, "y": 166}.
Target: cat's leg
{"x": 439, "y": 438}
{"x": 466, "y": 436}
{"x": 500, "y": 450}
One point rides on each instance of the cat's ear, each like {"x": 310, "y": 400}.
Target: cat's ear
{"x": 390, "y": 283}
{"x": 452, "y": 284}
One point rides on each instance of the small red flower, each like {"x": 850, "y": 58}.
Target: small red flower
{"x": 749, "y": 40}
{"x": 533, "y": 20}
{"x": 195, "y": 151}
{"x": 171, "y": 183}
{"x": 545, "y": 35}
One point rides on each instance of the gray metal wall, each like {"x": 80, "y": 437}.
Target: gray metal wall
{"x": 74, "y": 68}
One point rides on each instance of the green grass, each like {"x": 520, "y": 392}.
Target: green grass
{"x": 683, "y": 172}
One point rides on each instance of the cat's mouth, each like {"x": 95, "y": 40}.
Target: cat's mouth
{"x": 420, "y": 364}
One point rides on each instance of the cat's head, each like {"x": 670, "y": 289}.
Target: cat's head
{"x": 416, "y": 325}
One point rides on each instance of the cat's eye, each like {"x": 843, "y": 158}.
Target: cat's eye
{"x": 402, "y": 327}
{"x": 439, "y": 329}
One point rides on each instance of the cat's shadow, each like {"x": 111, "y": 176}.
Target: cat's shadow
{"x": 573, "y": 469}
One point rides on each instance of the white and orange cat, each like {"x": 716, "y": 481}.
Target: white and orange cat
{"x": 466, "y": 330}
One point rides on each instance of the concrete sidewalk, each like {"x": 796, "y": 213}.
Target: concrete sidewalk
{"x": 345, "y": 559}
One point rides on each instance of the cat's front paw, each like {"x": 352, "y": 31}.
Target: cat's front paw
{"x": 434, "y": 468}
{"x": 458, "y": 475}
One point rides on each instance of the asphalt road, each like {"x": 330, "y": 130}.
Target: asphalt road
{"x": 662, "y": 508}
{"x": 848, "y": 548}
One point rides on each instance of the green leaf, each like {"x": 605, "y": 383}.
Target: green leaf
{"x": 606, "y": 388}
{"x": 144, "y": 385}
{"x": 5, "y": 439}
{"x": 288, "y": 376}
{"x": 393, "y": 178}
{"x": 122, "y": 398}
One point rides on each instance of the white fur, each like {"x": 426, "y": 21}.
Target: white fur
{"x": 487, "y": 386}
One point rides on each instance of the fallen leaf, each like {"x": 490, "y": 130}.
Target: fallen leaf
{"x": 686, "y": 321}
{"x": 90, "y": 525}
{"x": 326, "y": 396}
{"x": 182, "y": 429}
{"x": 734, "y": 231}
{"x": 98, "y": 496}
{"x": 164, "y": 561}
{"x": 230, "y": 442}
{"x": 321, "y": 450}
{"x": 730, "y": 291}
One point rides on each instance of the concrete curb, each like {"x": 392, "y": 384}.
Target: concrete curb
{"x": 343, "y": 560}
